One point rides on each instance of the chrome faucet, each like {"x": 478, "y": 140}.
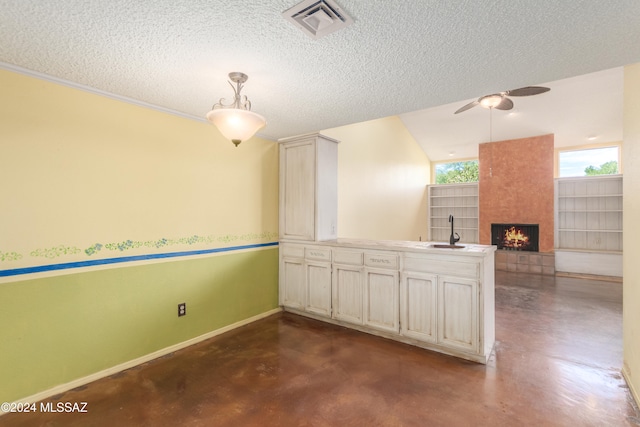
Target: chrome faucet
{"x": 453, "y": 240}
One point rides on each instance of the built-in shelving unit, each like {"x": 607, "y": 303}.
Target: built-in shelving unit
{"x": 588, "y": 218}
{"x": 459, "y": 200}
{"x": 589, "y": 213}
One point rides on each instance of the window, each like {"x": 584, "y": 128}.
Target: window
{"x": 589, "y": 161}
{"x": 457, "y": 172}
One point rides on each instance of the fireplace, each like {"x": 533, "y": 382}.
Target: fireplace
{"x": 515, "y": 237}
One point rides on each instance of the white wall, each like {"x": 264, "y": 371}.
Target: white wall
{"x": 382, "y": 179}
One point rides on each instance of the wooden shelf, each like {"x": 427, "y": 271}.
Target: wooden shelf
{"x": 588, "y": 214}
{"x": 589, "y": 230}
{"x": 589, "y": 196}
{"x": 459, "y": 200}
{"x": 594, "y": 211}
{"x": 456, "y": 218}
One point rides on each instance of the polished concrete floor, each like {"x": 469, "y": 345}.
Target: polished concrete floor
{"x": 556, "y": 363}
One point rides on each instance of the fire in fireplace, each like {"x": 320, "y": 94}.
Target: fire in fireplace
{"x": 515, "y": 237}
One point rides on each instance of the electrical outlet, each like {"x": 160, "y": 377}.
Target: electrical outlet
{"x": 182, "y": 309}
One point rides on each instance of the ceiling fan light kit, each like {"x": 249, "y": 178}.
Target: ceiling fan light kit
{"x": 236, "y": 121}
{"x": 490, "y": 101}
{"x": 500, "y": 101}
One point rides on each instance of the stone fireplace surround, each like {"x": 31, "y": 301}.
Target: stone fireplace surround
{"x": 526, "y": 262}
{"x": 516, "y": 186}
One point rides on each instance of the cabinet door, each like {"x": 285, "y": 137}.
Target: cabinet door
{"x": 292, "y": 283}
{"x": 347, "y": 293}
{"x": 419, "y": 306}
{"x": 297, "y": 188}
{"x": 318, "y": 288}
{"x": 458, "y": 312}
{"x": 381, "y": 300}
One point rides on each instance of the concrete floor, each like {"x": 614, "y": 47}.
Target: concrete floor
{"x": 556, "y": 363}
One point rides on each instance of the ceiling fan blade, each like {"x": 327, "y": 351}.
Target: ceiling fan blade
{"x": 505, "y": 104}
{"x": 528, "y": 91}
{"x": 466, "y": 107}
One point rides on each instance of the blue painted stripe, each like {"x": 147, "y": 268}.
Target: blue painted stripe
{"x": 93, "y": 262}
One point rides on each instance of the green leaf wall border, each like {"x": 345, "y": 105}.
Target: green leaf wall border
{"x": 10, "y": 256}
{"x": 126, "y": 245}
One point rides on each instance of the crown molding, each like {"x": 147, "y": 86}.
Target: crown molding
{"x": 73, "y": 85}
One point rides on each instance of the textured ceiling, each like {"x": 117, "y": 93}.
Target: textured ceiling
{"x": 398, "y": 56}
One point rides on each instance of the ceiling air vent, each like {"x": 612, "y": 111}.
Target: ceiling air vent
{"x": 318, "y": 18}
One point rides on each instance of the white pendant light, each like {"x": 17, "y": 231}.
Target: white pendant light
{"x": 236, "y": 121}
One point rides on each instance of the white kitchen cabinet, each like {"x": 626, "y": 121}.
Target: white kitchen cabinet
{"x": 419, "y": 306}
{"x": 318, "y": 275}
{"x": 348, "y": 293}
{"x": 308, "y": 188}
{"x": 317, "y": 262}
{"x": 306, "y": 278}
{"x": 442, "y": 300}
{"x": 292, "y": 283}
{"x": 381, "y": 291}
{"x": 381, "y": 299}
{"x": 440, "y": 310}
{"x": 448, "y": 302}
{"x": 458, "y": 312}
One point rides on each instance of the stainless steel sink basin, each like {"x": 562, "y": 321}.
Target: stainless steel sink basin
{"x": 447, "y": 246}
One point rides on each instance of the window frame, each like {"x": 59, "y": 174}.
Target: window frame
{"x": 433, "y": 179}
{"x": 585, "y": 147}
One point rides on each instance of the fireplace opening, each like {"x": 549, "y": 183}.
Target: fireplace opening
{"x": 515, "y": 237}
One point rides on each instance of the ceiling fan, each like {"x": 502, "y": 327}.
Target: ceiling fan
{"x": 500, "y": 100}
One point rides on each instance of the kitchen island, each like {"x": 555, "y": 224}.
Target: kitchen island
{"x": 441, "y": 299}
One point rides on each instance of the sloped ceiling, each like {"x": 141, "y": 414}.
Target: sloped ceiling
{"x": 398, "y": 57}
{"x": 580, "y": 110}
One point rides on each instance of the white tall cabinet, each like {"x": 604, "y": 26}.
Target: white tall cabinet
{"x": 308, "y": 188}
{"x": 308, "y": 213}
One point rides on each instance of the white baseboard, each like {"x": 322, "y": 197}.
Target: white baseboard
{"x": 140, "y": 360}
{"x": 634, "y": 394}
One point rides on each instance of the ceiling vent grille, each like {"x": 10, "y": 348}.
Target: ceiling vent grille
{"x": 317, "y": 18}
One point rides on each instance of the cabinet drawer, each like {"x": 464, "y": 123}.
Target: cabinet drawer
{"x": 319, "y": 254}
{"x": 292, "y": 251}
{"x": 347, "y": 257}
{"x": 377, "y": 260}
{"x": 462, "y": 268}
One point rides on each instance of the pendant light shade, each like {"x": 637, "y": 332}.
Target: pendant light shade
{"x": 236, "y": 121}
{"x": 236, "y": 125}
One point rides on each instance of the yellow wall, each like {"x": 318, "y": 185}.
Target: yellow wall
{"x": 80, "y": 169}
{"x": 631, "y": 251}
{"x": 382, "y": 178}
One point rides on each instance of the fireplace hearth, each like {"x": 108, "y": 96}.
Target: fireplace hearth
{"x": 515, "y": 237}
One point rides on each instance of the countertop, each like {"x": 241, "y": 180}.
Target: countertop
{"x": 406, "y": 246}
